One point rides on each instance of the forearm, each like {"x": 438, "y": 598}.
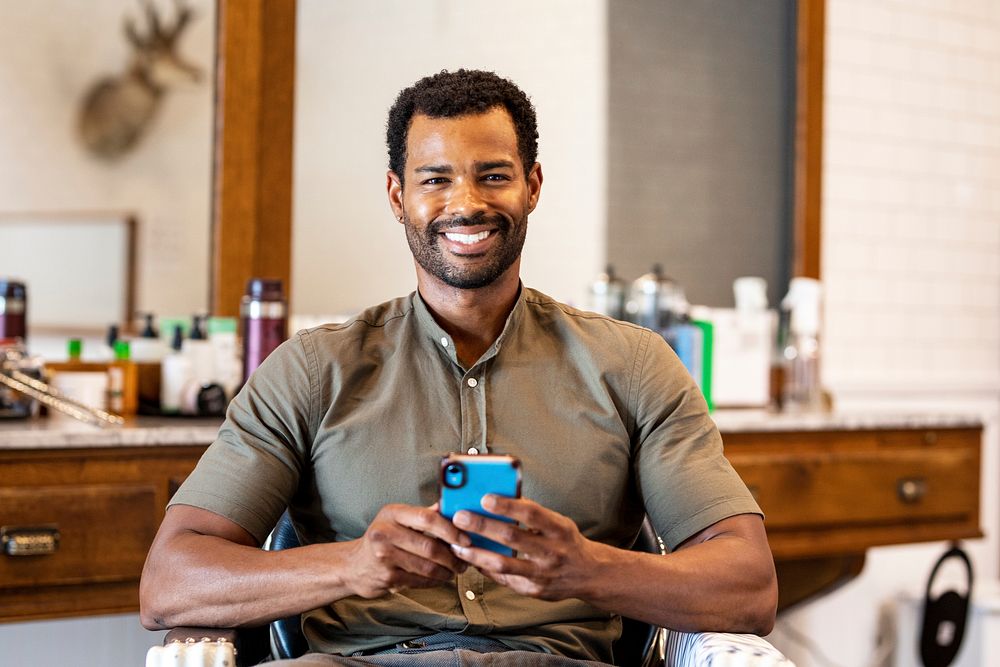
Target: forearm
{"x": 724, "y": 584}
{"x": 205, "y": 580}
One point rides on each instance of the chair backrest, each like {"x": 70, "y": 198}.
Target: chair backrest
{"x": 287, "y": 640}
{"x": 632, "y": 648}
{"x": 638, "y": 638}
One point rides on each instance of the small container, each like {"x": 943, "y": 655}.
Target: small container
{"x": 607, "y": 294}
{"x": 123, "y": 382}
{"x": 199, "y": 350}
{"x": 175, "y": 373}
{"x": 264, "y": 313}
{"x": 13, "y": 309}
{"x": 802, "y": 391}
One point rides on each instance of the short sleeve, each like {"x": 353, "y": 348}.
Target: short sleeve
{"x": 685, "y": 481}
{"x": 252, "y": 470}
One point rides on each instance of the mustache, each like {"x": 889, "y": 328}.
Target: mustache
{"x": 439, "y": 226}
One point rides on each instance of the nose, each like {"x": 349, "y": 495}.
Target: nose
{"x": 465, "y": 199}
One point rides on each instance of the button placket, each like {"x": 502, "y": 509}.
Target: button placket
{"x": 470, "y": 588}
{"x": 474, "y": 410}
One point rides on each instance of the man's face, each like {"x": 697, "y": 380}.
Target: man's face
{"x": 466, "y": 201}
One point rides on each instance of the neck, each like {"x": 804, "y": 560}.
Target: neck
{"x": 474, "y": 318}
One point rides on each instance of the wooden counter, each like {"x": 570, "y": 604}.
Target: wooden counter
{"x": 93, "y": 499}
{"x": 831, "y": 486}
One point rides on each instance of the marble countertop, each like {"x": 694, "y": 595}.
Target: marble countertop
{"x": 156, "y": 431}
{"x": 60, "y": 433}
{"x": 736, "y": 421}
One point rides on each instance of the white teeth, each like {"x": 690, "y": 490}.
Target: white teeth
{"x": 467, "y": 239}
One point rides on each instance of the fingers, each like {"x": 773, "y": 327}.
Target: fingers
{"x": 406, "y": 537}
{"x": 529, "y": 514}
{"x": 426, "y": 520}
{"x": 506, "y": 533}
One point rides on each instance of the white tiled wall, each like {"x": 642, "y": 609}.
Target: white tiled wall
{"x": 911, "y": 210}
{"x": 911, "y": 264}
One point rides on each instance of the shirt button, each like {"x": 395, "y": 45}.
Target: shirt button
{"x": 469, "y": 595}
{"x": 473, "y": 451}
{"x": 444, "y": 341}
{"x": 473, "y": 382}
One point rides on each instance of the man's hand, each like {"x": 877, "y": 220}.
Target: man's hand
{"x": 555, "y": 560}
{"x": 404, "y": 547}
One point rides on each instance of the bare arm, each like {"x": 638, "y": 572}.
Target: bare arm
{"x": 721, "y": 579}
{"x": 205, "y": 570}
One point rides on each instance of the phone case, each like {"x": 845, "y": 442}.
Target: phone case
{"x": 465, "y": 479}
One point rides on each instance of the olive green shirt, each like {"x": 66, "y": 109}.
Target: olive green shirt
{"x": 345, "y": 418}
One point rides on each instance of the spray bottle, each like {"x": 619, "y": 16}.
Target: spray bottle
{"x": 802, "y": 390}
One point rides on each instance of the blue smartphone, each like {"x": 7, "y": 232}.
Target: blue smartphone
{"x": 465, "y": 479}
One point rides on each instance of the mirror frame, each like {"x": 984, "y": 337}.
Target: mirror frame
{"x": 254, "y": 115}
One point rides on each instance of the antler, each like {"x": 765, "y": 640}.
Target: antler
{"x": 157, "y": 34}
{"x": 184, "y": 15}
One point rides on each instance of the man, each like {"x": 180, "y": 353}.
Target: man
{"x": 346, "y": 424}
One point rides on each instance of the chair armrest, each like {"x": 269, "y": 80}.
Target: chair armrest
{"x": 210, "y": 647}
{"x": 204, "y": 652}
{"x": 195, "y": 634}
{"x": 718, "y": 649}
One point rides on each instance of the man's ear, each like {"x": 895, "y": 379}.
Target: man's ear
{"x": 534, "y": 186}
{"x": 394, "y": 188}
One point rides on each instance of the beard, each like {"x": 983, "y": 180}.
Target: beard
{"x": 427, "y": 250}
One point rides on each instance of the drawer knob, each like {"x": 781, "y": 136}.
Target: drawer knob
{"x": 29, "y": 540}
{"x": 911, "y": 489}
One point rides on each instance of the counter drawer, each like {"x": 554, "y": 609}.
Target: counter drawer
{"x": 104, "y": 532}
{"x": 876, "y": 487}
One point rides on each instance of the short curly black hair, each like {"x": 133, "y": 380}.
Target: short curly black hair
{"x": 450, "y": 94}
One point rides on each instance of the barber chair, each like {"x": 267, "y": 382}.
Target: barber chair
{"x": 640, "y": 645}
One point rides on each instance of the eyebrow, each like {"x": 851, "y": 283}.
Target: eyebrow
{"x": 434, "y": 169}
{"x": 480, "y": 166}
{"x": 494, "y": 164}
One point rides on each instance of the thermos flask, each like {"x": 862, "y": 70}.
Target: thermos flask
{"x": 13, "y": 309}
{"x": 264, "y": 317}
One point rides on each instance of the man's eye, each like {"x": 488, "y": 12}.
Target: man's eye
{"x": 496, "y": 177}
{"x": 434, "y": 181}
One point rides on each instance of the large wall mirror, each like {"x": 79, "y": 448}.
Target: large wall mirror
{"x": 350, "y": 59}
{"x": 346, "y": 250}
{"x": 58, "y": 180}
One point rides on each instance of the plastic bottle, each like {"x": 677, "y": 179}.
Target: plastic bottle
{"x": 802, "y": 390}
{"x": 225, "y": 353}
{"x": 148, "y": 348}
{"x": 199, "y": 350}
{"x": 263, "y": 311}
{"x": 175, "y": 373}
{"x": 105, "y": 352}
{"x": 122, "y": 382}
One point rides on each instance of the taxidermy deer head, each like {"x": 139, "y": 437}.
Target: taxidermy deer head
{"x": 117, "y": 110}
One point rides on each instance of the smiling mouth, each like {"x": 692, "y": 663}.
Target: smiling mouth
{"x": 468, "y": 239}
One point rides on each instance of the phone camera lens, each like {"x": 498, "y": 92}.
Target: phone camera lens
{"x": 453, "y": 469}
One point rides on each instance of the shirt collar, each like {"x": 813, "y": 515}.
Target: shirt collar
{"x": 439, "y": 338}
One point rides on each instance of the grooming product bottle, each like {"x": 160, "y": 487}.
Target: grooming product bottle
{"x": 13, "y": 309}
{"x": 264, "y": 318}
{"x": 148, "y": 351}
{"x": 122, "y": 382}
{"x": 802, "y": 390}
{"x": 148, "y": 348}
{"x": 175, "y": 373}
{"x": 607, "y": 294}
{"x": 225, "y": 353}
{"x": 199, "y": 350}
